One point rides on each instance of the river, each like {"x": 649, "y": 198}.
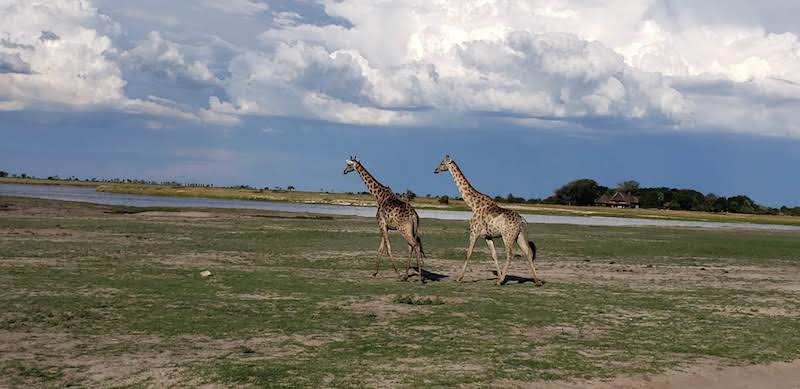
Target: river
{"x": 89, "y": 195}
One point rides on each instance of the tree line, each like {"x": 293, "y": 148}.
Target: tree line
{"x": 585, "y": 191}
{"x": 136, "y": 181}
{"x": 581, "y": 192}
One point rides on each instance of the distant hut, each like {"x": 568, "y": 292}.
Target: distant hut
{"x": 618, "y": 200}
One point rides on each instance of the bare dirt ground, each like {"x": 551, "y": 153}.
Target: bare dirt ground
{"x": 778, "y": 375}
{"x": 53, "y": 346}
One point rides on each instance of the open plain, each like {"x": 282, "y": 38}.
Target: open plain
{"x": 112, "y": 296}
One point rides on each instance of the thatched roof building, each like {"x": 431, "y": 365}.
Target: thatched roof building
{"x": 618, "y": 200}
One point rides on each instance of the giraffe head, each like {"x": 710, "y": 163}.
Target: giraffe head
{"x": 444, "y": 165}
{"x": 351, "y": 164}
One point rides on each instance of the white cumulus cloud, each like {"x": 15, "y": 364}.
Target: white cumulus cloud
{"x": 60, "y": 55}
{"x": 239, "y": 7}
{"x": 164, "y": 58}
{"x": 729, "y": 65}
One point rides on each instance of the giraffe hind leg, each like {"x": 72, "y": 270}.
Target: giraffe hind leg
{"x": 529, "y": 254}
{"x": 508, "y": 241}
{"x": 413, "y": 247}
{"x": 408, "y": 263}
{"x": 490, "y": 243}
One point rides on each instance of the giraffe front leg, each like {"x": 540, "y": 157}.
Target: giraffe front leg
{"x": 378, "y": 258}
{"x": 472, "y": 238}
{"x": 389, "y": 250}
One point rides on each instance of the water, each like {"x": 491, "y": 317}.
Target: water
{"x": 89, "y": 195}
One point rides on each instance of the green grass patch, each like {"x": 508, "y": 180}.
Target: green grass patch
{"x": 292, "y": 301}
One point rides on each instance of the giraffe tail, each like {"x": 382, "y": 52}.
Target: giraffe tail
{"x": 533, "y": 248}
{"x": 416, "y": 234}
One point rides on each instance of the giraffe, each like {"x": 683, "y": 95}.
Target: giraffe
{"x": 491, "y": 221}
{"x": 393, "y": 214}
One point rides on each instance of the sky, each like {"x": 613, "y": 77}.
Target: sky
{"x": 524, "y": 95}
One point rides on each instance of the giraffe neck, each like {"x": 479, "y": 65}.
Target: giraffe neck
{"x": 380, "y": 192}
{"x": 470, "y": 195}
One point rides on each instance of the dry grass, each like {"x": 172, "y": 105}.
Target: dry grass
{"x": 96, "y": 297}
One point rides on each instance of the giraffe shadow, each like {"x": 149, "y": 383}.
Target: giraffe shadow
{"x": 510, "y": 278}
{"x": 429, "y": 275}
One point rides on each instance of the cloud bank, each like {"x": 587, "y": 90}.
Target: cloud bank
{"x": 629, "y": 65}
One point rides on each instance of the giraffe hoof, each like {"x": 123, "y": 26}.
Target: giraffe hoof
{"x": 375, "y": 274}
{"x": 538, "y": 282}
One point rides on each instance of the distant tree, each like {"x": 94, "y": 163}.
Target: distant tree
{"x": 708, "y": 202}
{"x": 550, "y": 200}
{"x": 410, "y": 195}
{"x": 741, "y": 204}
{"x": 444, "y": 199}
{"x": 764, "y": 210}
{"x": 688, "y": 200}
{"x": 629, "y": 186}
{"x": 651, "y": 198}
{"x": 681, "y": 200}
{"x": 579, "y": 192}
{"x": 23, "y": 175}
{"x": 720, "y": 205}
{"x": 290, "y": 188}
{"x": 512, "y": 199}
{"x": 534, "y": 201}
{"x": 3, "y": 173}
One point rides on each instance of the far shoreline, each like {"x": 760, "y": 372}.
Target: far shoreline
{"x": 420, "y": 202}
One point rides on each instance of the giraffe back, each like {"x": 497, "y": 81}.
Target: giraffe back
{"x": 397, "y": 213}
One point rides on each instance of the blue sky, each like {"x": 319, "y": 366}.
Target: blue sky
{"x": 525, "y": 95}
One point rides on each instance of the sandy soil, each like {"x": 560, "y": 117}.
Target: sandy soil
{"x": 157, "y": 367}
{"x": 779, "y": 375}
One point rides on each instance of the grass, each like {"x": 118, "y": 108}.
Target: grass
{"x": 90, "y": 291}
{"x": 421, "y": 202}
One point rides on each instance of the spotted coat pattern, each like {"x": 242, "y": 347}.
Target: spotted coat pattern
{"x": 393, "y": 214}
{"x": 490, "y": 221}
